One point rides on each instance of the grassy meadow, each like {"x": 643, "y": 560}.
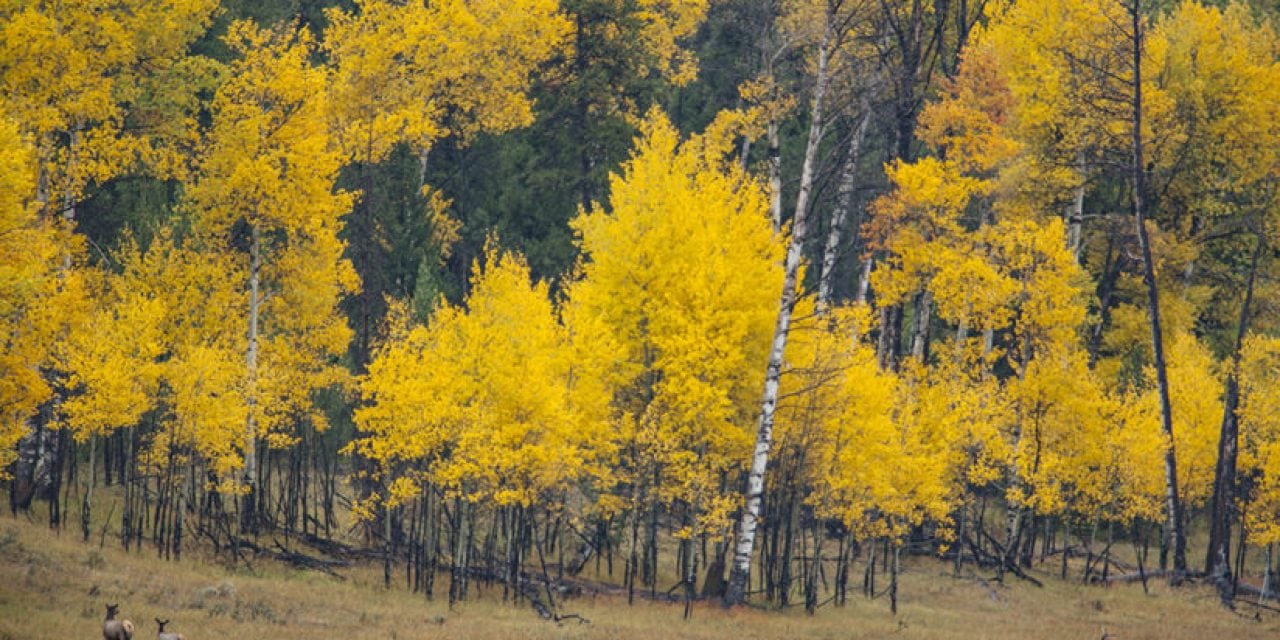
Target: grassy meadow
{"x": 52, "y": 585}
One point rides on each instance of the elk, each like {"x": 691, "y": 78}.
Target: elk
{"x": 166, "y": 635}
{"x": 113, "y": 629}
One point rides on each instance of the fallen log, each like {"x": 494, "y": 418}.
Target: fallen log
{"x": 1244, "y": 589}
{"x": 1159, "y": 573}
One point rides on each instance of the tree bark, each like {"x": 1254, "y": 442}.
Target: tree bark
{"x": 86, "y": 507}
{"x": 1075, "y": 218}
{"x": 1177, "y": 537}
{"x": 844, "y": 202}
{"x": 741, "y": 570}
{"x": 248, "y": 515}
{"x": 920, "y": 332}
{"x": 1218, "y": 562}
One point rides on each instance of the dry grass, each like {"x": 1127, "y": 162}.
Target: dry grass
{"x": 55, "y": 587}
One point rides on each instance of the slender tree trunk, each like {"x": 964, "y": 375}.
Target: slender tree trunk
{"x": 1269, "y": 577}
{"x": 1075, "y": 219}
{"x": 844, "y": 202}
{"x": 248, "y": 515}
{"x": 864, "y": 280}
{"x": 87, "y": 507}
{"x": 741, "y": 570}
{"x": 1218, "y": 562}
{"x": 920, "y": 332}
{"x": 1177, "y": 537}
{"x": 895, "y": 568}
{"x": 1110, "y": 274}
{"x": 887, "y": 344}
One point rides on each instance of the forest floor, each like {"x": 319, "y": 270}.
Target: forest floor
{"x": 54, "y": 586}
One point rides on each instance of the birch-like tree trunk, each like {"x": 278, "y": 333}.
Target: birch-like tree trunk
{"x": 1177, "y": 537}
{"x": 741, "y": 570}
{"x": 248, "y": 516}
{"x": 1075, "y": 217}
{"x": 844, "y": 202}
{"x": 920, "y": 330}
{"x": 864, "y": 281}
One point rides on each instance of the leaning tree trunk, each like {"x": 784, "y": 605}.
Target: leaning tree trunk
{"x": 1173, "y": 507}
{"x": 741, "y": 570}
{"x": 844, "y": 202}
{"x": 1218, "y": 563}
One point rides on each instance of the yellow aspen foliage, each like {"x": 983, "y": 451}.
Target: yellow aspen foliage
{"x": 1064, "y": 106}
{"x": 970, "y": 121}
{"x": 1195, "y": 390}
{"x": 1260, "y": 438}
{"x": 264, "y": 198}
{"x": 1047, "y": 305}
{"x": 679, "y": 281}
{"x": 483, "y": 400}
{"x": 880, "y": 459}
{"x": 1127, "y": 339}
{"x": 415, "y": 71}
{"x": 71, "y": 72}
{"x": 971, "y": 407}
{"x": 1221, "y": 73}
{"x": 112, "y": 357}
{"x": 1059, "y": 423}
{"x": 916, "y": 223}
{"x": 663, "y": 24}
{"x": 1133, "y": 473}
{"x": 202, "y": 370}
{"x": 29, "y": 255}
{"x": 1069, "y": 81}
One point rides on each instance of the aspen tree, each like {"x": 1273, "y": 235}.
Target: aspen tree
{"x": 29, "y": 253}
{"x": 686, "y": 300}
{"x": 97, "y": 94}
{"x": 753, "y": 493}
{"x": 264, "y": 193}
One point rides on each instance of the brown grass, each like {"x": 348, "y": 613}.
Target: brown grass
{"x": 54, "y": 586}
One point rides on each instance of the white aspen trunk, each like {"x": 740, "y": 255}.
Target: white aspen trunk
{"x": 864, "y": 289}
{"x": 864, "y": 281}
{"x": 741, "y": 570}
{"x": 844, "y": 202}
{"x": 920, "y": 334}
{"x": 962, "y": 333}
{"x": 1014, "y": 510}
{"x": 1075, "y": 218}
{"x": 423, "y": 156}
{"x": 69, "y": 195}
{"x": 249, "y": 515}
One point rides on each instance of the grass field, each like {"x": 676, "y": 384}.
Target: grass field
{"x": 55, "y": 586}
